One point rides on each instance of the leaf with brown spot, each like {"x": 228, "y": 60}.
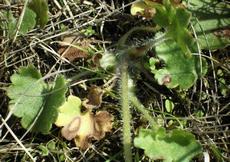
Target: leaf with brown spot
{"x": 84, "y": 126}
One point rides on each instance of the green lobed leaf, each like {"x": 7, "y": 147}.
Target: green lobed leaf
{"x": 211, "y": 20}
{"x": 176, "y": 145}
{"x": 180, "y": 70}
{"x": 26, "y": 94}
{"x": 40, "y": 7}
{"x": 53, "y": 99}
{"x": 175, "y": 20}
{"x": 32, "y": 101}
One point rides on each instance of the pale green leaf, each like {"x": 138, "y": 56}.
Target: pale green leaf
{"x": 138, "y": 8}
{"x": 43, "y": 150}
{"x": 152, "y": 62}
{"x": 70, "y": 109}
{"x": 108, "y": 61}
{"x": 174, "y": 146}
{"x": 142, "y": 9}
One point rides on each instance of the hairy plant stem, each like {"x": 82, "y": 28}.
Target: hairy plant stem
{"x": 144, "y": 111}
{"x": 126, "y": 115}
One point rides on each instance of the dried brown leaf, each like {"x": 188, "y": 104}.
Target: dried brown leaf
{"x": 72, "y": 53}
{"x": 72, "y": 48}
{"x": 222, "y": 33}
{"x": 94, "y": 97}
{"x": 104, "y": 120}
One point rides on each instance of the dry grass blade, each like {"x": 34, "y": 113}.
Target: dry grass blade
{"x": 17, "y": 140}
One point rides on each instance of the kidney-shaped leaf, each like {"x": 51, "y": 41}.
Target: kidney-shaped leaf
{"x": 175, "y": 146}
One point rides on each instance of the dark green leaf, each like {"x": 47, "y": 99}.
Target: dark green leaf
{"x": 40, "y": 7}
{"x": 11, "y": 24}
{"x": 53, "y": 99}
